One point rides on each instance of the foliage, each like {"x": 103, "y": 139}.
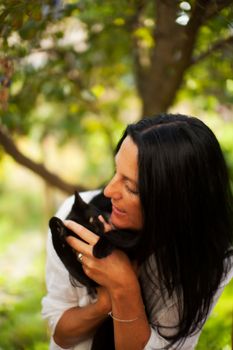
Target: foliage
{"x": 20, "y": 317}
{"x": 217, "y": 332}
{"x": 76, "y": 59}
{"x": 60, "y": 76}
{"x": 22, "y": 267}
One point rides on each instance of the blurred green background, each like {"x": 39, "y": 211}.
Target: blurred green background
{"x": 72, "y": 75}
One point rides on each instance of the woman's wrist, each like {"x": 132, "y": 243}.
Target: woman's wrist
{"x": 126, "y": 301}
{"x": 126, "y": 290}
{"x": 101, "y": 309}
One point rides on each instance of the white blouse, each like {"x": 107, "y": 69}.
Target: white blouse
{"x": 61, "y": 295}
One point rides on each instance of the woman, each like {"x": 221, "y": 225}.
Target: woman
{"x": 171, "y": 184}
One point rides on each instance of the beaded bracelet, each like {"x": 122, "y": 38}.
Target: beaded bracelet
{"x": 120, "y": 320}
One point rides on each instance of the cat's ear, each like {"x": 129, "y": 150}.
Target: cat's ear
{"x": 79, "y": 202}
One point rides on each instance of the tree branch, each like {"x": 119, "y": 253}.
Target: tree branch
{"x": 215, "y": 47}
{"x": 38, "y": 168}
{"x": 214, "y": 7}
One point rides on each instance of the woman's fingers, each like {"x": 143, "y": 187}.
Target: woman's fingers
{"x": 107, "y": 226}
{"x": 82, "y": 232}
{"x": 80, "y": 246}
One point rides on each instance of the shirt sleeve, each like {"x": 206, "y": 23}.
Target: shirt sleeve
{"x": 61, "y": 295}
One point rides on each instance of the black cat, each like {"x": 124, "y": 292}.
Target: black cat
{"x": 87, "y": 215}
{"x": 126, "y": 240}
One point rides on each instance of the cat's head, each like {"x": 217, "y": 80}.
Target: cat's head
{"x": 86, "y": 215}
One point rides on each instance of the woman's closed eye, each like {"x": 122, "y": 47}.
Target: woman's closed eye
{"x": 130, "y": 189}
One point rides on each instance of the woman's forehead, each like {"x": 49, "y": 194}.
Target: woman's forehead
{"x": 127, "y": 159}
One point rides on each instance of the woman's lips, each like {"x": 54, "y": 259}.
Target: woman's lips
{"x": 118, "y": 211}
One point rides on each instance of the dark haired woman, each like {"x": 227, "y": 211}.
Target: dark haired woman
{"x": 171, "y": 186}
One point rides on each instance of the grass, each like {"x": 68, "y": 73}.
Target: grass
{"x": 22, "y": 271}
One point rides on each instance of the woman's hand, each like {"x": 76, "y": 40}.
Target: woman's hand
{"x": 113, "y": 272}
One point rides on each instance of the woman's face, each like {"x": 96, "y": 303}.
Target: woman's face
{"x": 123, "y": 188}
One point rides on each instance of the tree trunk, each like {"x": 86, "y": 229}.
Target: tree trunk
{"x": 171, "y": 55}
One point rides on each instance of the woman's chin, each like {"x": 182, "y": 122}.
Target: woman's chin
{"x": 117, "y": 222}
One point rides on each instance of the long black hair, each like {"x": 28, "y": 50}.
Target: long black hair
{"x": 186, "y": 200}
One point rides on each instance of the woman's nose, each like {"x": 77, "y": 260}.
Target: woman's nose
{"x": 112, "y": 189}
